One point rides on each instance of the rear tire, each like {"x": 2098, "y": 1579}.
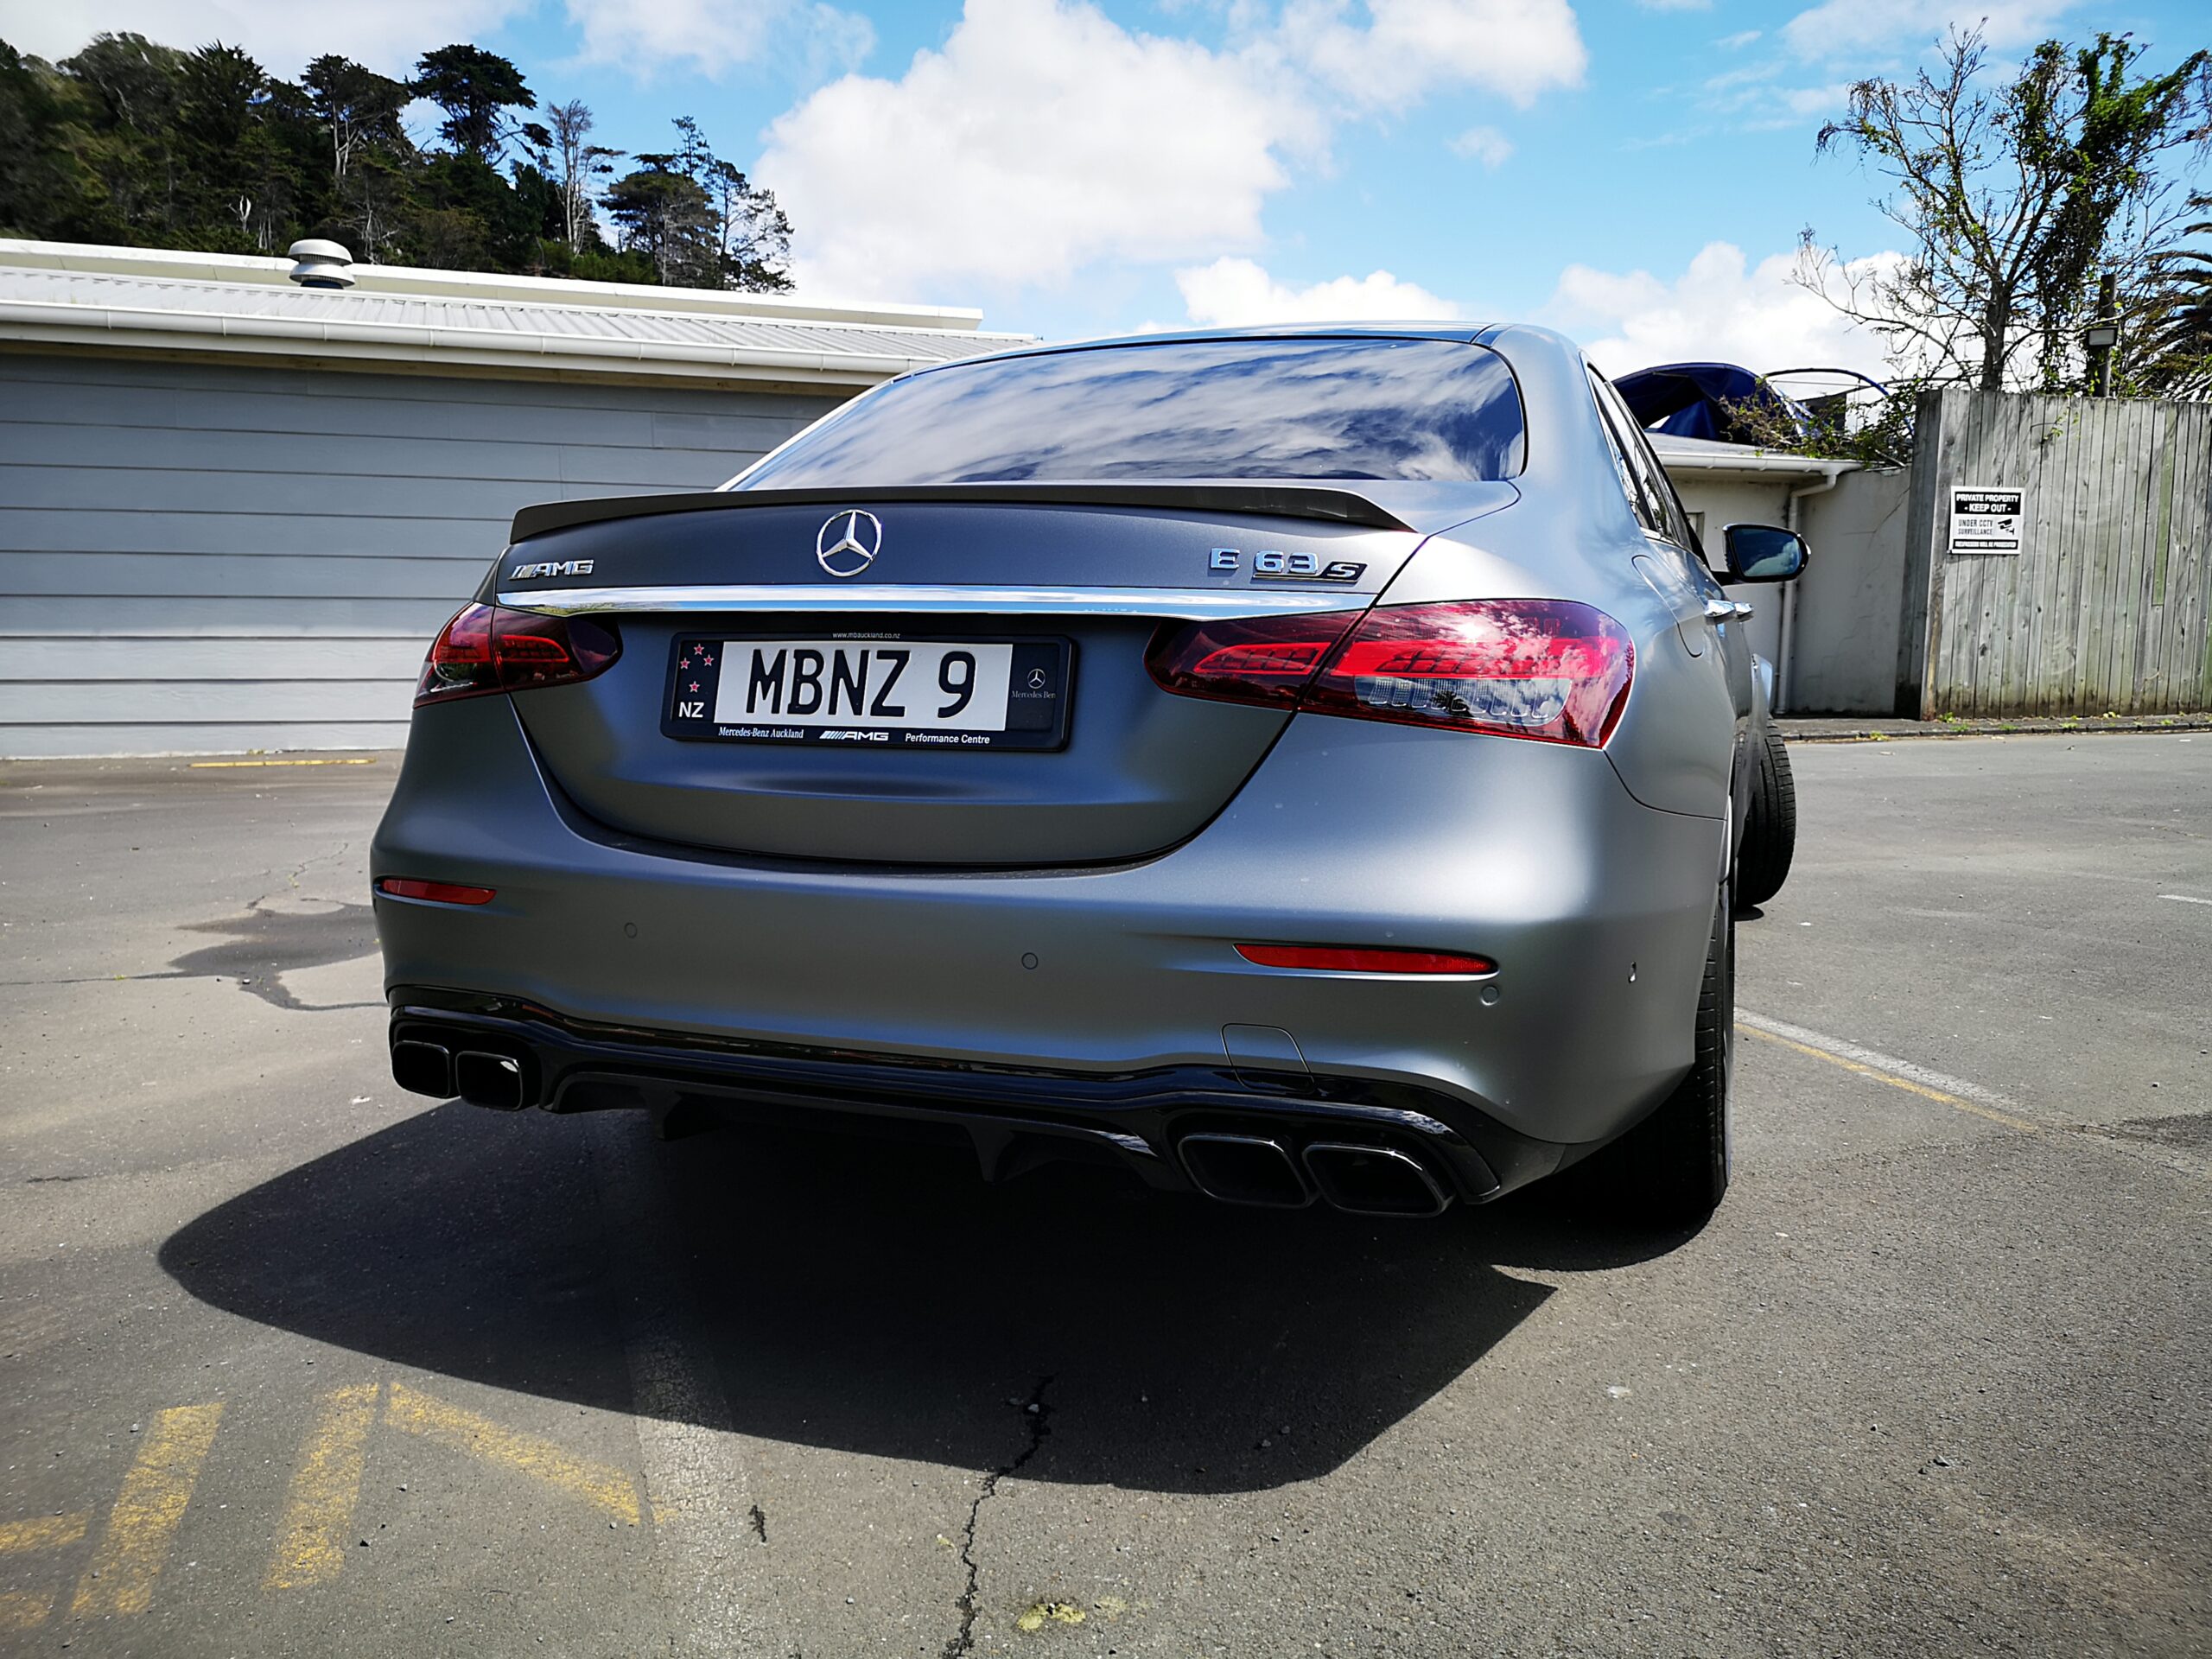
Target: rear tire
{"x": 1671, "y": 1170}
{"x": 1770, "y": 826}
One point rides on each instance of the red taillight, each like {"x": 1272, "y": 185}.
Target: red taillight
{"x": 442, "y": 893}
{"x": 1552, "y": 669}
{"x": 1266, "y": 659}
{"x": 1369, "y": 959}
{"x": 485, "y": 649}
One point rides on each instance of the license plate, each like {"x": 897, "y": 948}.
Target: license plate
{"x": 948, "y": 694}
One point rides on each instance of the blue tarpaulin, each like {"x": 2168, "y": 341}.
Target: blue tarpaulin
{"x": 1702, "y": 400}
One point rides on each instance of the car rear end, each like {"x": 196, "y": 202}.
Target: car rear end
{"x": 1112, "y": 819}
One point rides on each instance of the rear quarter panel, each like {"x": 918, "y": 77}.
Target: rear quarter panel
{"x": 1572, "y": 536}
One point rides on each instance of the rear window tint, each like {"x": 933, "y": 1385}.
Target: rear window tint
{"x": 1227, "y": 409}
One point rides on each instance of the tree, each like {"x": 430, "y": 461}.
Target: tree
{"x": 476, "y": 89}
{"x": 237, "y": 157}
{"x": 701, "y": 221}
{"x": 375, "y": 205}
{"x": 135, "y": 143}
{"x": 114, "y": 115}
{"x": 2016, "y": 199}
{"x": 755, "y": 236}
{"x": 671, "y": 219}
{"x": 2170, "y": 353}
{"x": 357, "y": 107}
{"x": 574, "y": 163}
{"x": 134, "y": 79}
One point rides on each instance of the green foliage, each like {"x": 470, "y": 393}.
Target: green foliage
{"x": 135, "y": 142}
{"x": 699, "y": 220}
{"x": 2169, "y": 354}
{"x": 476, "y": 89}
{"x": 2020, "y": 198}
{"x": 1875, "y": 430}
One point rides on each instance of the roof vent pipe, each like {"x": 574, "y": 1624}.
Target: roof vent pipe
{"x": 320, "y": 264}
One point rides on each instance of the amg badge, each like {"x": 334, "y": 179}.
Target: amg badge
{"x": 1275, "y": 566}
{"x": 565, "y": 568}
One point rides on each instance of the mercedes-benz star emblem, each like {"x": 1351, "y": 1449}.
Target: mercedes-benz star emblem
{"x": 848, "y": 542}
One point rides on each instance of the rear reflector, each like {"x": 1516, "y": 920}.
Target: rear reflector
{"x": 1551, "y": 669}
{"x": 1328, "y": 958}
{"x": 440, "y": 893}
{"x": 486, "y": 649}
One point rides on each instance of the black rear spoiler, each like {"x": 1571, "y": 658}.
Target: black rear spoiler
{"x": 1343, "y": 506}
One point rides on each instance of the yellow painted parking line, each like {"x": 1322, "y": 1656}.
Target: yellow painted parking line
{"x": 604, "y": 1487}
{"x": 20, "y": 1610}
{"x": 147, "y": 1513}
{"x": 46, "y": 1532}
{"x": 320, "y": 761}
{"x": 1882, "y": 1074}
{"x": 326, "y": 1487}
{"x": 25, "y": 1609}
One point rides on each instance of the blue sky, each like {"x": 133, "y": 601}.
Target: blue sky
{"x": 1635, "y": 173}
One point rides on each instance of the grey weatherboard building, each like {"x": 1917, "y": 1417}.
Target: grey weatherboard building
{"x": 234, "y": 509}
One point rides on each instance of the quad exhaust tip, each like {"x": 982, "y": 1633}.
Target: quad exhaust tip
{"x": 491, "y": 1080}
{"x": 478, "y": 1077}
{"x": 1245, "y": 1169}
{"x": 1369, "y": 1180}
{"x": 1360, "y": 1179}
{"x": 423, "y": 1068}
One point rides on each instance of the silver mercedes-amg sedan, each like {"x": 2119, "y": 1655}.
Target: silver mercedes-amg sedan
{"x": 1292, "y": 763}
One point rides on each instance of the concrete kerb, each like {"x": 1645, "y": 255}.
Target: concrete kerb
{"x": 1851, "y": 729}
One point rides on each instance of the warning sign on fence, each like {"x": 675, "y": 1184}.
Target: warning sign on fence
{"x": 1986, "y": 521}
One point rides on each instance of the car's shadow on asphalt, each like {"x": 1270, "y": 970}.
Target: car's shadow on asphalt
{"x": 881, "y": 1299}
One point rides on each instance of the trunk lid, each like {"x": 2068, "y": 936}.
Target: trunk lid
{"x": 1082, "y": 576}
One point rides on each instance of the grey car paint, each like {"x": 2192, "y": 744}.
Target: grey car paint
{"x": 1140, "y": 771}
{"x": 736, "y": 895}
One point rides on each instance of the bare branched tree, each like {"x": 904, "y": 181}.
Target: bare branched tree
{"x": 2018, "y": 198}
{"x": 577, "y": 165}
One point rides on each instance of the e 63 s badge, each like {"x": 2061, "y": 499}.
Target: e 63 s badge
{"x": 1275, "y": 565}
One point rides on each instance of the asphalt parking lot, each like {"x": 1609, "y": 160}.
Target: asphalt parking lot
{"x": 293, "y": 1362}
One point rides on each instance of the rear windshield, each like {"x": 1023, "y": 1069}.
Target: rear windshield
{"x": 1367, "y": 408}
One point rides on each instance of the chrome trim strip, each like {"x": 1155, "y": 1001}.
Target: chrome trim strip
{"x": 1195, "y": 604}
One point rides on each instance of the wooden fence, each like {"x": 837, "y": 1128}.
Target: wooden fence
{"x": 2103, "y": 606}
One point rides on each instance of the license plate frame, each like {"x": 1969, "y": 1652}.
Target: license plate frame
{"x": 1041, "y": 707}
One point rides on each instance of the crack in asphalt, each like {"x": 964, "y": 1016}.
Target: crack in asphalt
{"x": 962, "y": 1642}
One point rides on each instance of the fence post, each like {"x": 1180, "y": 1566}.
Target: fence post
{"x": 1918, "y": 622}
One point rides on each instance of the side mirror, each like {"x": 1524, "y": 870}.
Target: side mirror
{"x": 1764, "y": 553}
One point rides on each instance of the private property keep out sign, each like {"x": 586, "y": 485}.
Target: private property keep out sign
{"x": 1985, "y": 521}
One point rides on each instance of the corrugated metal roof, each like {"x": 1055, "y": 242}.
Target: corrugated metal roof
{"x": 129, "y": 308}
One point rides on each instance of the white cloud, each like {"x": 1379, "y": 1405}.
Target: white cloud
{"x": 713, "y": 36}
{"x": 1043, "y": 138}
{"x": 1231, "y": 292}
{"x": 1740, "y": 39}
{"x": 386, "y": 34}
{"x": 1485, "y": 144}
{"x": 1837, "y": 26}
{"x": 1716, "y": 310}
{"x": 1404, "y": 48}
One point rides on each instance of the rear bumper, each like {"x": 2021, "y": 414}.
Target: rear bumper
{"x": 1012, "y": 1118}
{"x": 1596, "y": 907}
